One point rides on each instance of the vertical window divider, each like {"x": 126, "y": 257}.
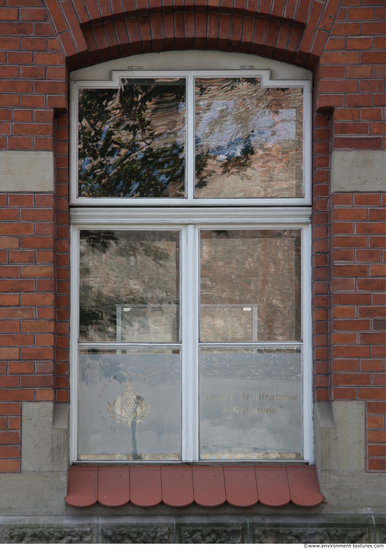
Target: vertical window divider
{"x": 190, "y": 137}
{"x": 74, "y": 332}
{"x": 306, "y": 270}
{"x": 189, "y": 341}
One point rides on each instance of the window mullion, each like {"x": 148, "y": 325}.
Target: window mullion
{"x": 189, "y": 339}
{"x": 190, "y": 137}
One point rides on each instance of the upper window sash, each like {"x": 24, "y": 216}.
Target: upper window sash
{"x": 191, "y": 77}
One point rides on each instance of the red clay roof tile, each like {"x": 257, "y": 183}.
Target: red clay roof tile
{"x": 181, "y": 485}
{"x": 82, "y": 486}
{"x": 145, "y": 485}
{"x": 273, "y": 485}
{"x": 177, "y": 485}
{"x": 304, "y": 486}
{"x": 114, "y": 485}
{"x": 209, "y": 485}
{"x": 240, "y": 485}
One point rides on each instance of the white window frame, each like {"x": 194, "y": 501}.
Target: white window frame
{"x": 190, "y": 215}
{"x": 190, "y": 200}
{"x": 190, "y": 223}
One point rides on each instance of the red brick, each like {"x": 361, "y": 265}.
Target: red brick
{"x": 372, "y": 393}
{"x": 20, "y": 367}
{"x": 374, "y": 284}
{"x": 371, "y": 311}
{"x": 350, "y": 365}
{"x": 37, "y": 353}
{"x": 350, "y": 351}
{"x": 376, "y": 450}
{"x": 37, "y": 326}
{"x": 344, "y": 393}
{"x": 17, "y": 286}
{"x": 21, "y": 256}
{"x": 9, "y": 299}
{"x": 36, "y": 381}
{"x": 14, "y": 451}
{"x": 376, "y": 436}
{"x": 37, "y": 242}
{"x": 11, "y": 394}
{"x": 348, "y": 324}
{"x": 45, "y": 395}
{"x": 9, "y": 465}
{"x": 351, "y": 379}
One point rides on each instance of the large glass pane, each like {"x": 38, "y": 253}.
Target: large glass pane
{"x": 129, "y": 286}
{"x": 129, "y": 404}
{"x": 249, "y": 139}
{"x": 250, "y": 404}
{"x": 250, "y": 286}
{"x": 132, "y": 140}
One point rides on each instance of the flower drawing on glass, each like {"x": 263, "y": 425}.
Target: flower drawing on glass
{"x": 129, "y": 407}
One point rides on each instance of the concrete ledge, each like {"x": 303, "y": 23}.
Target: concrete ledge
{"x": 358, "y": 171}
{"x": 27, "y": 171}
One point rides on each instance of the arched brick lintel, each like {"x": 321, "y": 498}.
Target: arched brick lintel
{"x": 202, "y": 30}
{"x": 295, "y": 35}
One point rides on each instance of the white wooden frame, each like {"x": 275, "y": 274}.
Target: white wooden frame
{"x": 190, "y": 315}
{"x": 189, "y": 75}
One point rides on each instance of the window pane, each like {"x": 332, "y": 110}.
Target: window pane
{"x": 132, "y": 140}
{"x": 129, "y": 286}
{"x": 250, "y": 404}
{"x": 250, "y": 286}
{"x": 249, "y": 139}
{"x": 129, "y": 405}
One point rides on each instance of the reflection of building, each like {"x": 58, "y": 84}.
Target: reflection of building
{"x": 347, "y": 273}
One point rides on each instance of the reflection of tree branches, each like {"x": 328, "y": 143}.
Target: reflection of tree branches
{"x": 128, "y": 143}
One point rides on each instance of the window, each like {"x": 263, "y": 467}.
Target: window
{"x": 190, "y": 265}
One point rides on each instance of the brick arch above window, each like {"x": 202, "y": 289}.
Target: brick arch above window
{"x": 92, "y": 31}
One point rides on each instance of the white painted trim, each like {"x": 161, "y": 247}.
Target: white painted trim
{"x": 189, "y": 346}
{"x": 139, "y": 216}
{"x": 308, "y": 427}
{"x": 74, "y": 331}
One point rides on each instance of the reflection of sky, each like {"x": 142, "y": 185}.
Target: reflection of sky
{"x": 217, "y": 126}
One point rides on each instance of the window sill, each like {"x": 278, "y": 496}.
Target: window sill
{"x": 182, "y": 485}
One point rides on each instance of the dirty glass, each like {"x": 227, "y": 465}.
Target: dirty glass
{"x": 131, "y": 140}
{"x": 250, "y": 403}
{"x": 249, "y": 139}
{"x": 129, "y": 286}
{"x": 129, "y": 404}
{"x": 250, "y": 286}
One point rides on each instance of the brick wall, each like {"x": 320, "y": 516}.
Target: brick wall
{"x": 342, "y": 41}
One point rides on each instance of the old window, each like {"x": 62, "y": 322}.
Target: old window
{"x": 190, "y": 262}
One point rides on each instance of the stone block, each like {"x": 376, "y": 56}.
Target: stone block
{"x": 208, "y": 534}
{"x": 340, "y": 436}
{"x": 44, "y": 449}
{"x": 307, "y": 534}
{"x": 137, "y": 534}
{"x": 46, "y": 535}
{"x": 33, "y": 494}
{"x": 358, "y": 171}
{"x": 27, "y": 171}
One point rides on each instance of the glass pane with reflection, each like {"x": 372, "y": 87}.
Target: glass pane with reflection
{"x": 249, "y": 139}
{"x": 129, "y": 286}
{"x": 250, "y": 286}
{"x": 250, "y": 404}
{"x": 131, "y": 140}
{"x": 129, "y": 404}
